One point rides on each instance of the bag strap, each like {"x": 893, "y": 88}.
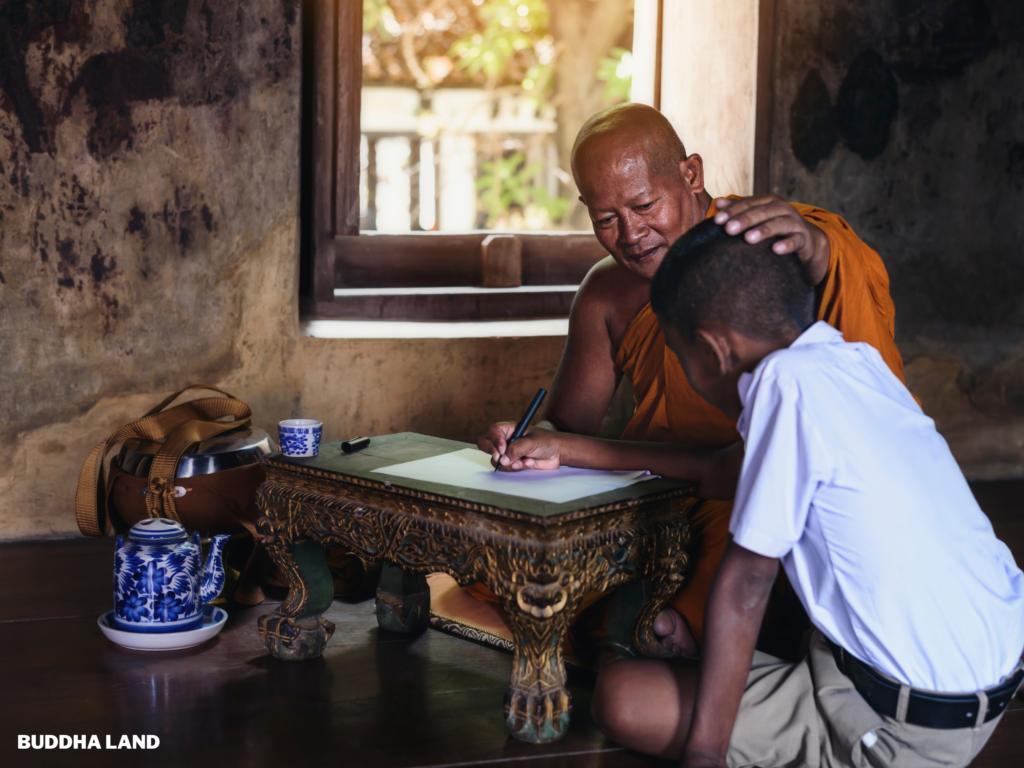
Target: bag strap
{"x": 162, "y": 472}
{"x": 180, "y": 428}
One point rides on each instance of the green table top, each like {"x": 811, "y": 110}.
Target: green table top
{"x": 402, "y": 447}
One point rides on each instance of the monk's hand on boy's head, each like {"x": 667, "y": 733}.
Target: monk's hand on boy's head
{"x": 537, "y": 449}
{"x": 764, "y": 216}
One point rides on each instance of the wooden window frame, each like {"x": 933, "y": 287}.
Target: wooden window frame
{"x": 341, "y": 268}
{"x": 404, "y": 276}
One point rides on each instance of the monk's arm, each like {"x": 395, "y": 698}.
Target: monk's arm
{"x": 854, "y": 297}
{"x": 735, "y": 609}
{"x": 714, "y": 472}
{"x": 587, "y": 376}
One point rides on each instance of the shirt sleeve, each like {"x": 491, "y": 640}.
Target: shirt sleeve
{"x": 783, "y": 465}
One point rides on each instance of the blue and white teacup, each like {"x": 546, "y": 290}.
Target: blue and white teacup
{"x": 300, "y": 438}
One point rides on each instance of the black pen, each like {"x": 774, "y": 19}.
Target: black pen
{"x": 355, "y": 444}
{"x": 524, "y": 423}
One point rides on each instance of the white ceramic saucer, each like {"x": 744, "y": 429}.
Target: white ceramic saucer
{"x": 213, "y": 623}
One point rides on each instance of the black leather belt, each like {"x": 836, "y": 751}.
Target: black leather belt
{"x": 930, "y": 710}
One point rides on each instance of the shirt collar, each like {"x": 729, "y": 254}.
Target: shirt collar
{"x": 818, "y": 333}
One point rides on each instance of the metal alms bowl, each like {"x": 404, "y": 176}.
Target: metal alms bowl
{"x": 237, "y": 448}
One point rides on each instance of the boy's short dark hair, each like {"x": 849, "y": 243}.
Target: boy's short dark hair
{"x": 708, "y": 275}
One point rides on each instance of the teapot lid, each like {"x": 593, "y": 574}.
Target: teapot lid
{"x": 157, "y": 529}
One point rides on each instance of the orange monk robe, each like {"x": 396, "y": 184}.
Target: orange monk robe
{"x": 854, "y": 297}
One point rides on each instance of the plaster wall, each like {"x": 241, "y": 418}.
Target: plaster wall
{"x": 908, "y": 119}
{"x": 149, "y": 161}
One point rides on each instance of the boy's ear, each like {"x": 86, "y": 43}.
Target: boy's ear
{"x": 719, "y": 346}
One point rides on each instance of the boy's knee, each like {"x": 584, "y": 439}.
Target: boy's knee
{"x": 610, "y": 705}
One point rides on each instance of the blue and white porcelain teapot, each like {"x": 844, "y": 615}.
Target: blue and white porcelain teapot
{"x": 160, "y": 585}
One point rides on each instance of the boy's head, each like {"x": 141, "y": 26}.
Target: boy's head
{"x": 724, "y": 304}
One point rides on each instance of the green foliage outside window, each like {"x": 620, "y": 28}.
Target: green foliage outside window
{"x": 617, "y": 72}
{"x": 375, "y": 16}
{"x": 506, "y": 181}
{"x": 507, "y": 31}
{"x": 511, "y": 26}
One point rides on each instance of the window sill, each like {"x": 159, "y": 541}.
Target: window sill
{"x": 384, "y": 329}
{"x": 459, "y": 303}
{"x": 340, "y": 293}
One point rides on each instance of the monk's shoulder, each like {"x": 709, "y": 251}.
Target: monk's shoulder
{"x": 613, "y": 293}
{"x": 821, "y": 216}
{"x": 844, "y": 242}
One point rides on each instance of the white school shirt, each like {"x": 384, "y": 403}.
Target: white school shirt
{"x": 847, "y": 481}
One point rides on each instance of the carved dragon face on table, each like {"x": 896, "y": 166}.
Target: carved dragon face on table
{"x": 542, "y": 600}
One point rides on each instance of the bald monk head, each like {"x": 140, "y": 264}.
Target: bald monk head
{"x": 722, "y": 301}
{"x": 639, "y": 186}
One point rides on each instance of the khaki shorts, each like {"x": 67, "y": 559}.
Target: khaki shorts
{"x": 809, "y": 714}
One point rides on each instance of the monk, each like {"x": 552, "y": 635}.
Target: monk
{"x": 643, "y": 192}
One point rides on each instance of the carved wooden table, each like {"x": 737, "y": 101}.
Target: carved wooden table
{"x": 539, "y": 558}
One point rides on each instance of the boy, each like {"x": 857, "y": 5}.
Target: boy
{"x": 918, "y": 610}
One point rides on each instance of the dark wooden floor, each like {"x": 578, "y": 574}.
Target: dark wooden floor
{"x": 374, "y": 699}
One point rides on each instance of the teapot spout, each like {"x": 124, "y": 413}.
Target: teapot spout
{"x": 213, "y": 571}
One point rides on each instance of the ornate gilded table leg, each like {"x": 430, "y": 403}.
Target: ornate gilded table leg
{"x": 296, "y": 630}
{"x": 671, "y": 562}
{"x": 539, "y": 607}
{"x": 403, "y": 600}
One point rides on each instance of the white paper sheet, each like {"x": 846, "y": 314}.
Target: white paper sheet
{"x": 470, "y": 468}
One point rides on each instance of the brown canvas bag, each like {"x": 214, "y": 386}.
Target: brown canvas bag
{"x": 210, "y": 503}
{"x": 176, "y": 430}
{"x": 219, "y": 501}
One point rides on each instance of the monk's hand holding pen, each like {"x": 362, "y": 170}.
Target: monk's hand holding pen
{"x": 536, "y": 449}
{"x": 495, "y": 441}
{"x": 763, "y": 216}
{"x": 506, "y": 439}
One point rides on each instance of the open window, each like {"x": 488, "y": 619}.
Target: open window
{"x": 435, "y": 153}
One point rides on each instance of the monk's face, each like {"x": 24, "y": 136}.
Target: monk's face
{"x": 636, "y": 214}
